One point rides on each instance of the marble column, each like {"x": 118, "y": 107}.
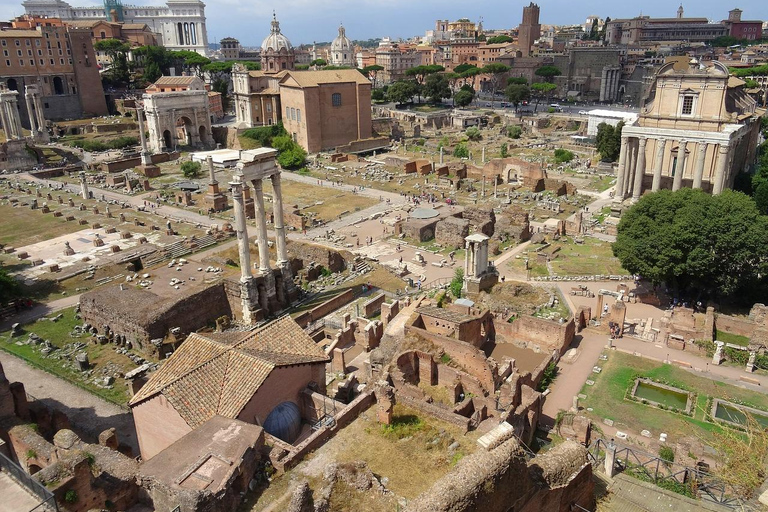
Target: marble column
{"x": 39, "y": 111}
{"x": 701, "y": 155}
{"x": 277, "y": 211}
{"x": 661, "y": 144}
{"x": 466, "y": 259}
{"x": 631, "y": 167}
{"x": 241, "y": 228}
{"x": 16, "y": 117}
{"x": 640, "y": 171}
{"x": 261, "y": 226}
{"x": 5, "y": 121}
{"x": 677, "y": 182}
{"x": 31, "y": 114}
{"x": 84, "y": 186}
{"x": 722, "y": 164}
{"x": 146, "y": 159}
{"x": 621, "y": 172}
{"x": 211, "y": 173}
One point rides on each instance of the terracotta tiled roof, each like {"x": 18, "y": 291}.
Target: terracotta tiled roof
{"x": 176, "y": 80}
{"x": 325, "y": 76}
{"x": 219, "y": 373}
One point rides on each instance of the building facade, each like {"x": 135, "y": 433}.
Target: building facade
{"x": 529, "y": 30}
{"x": 697, "y": 128}
{"x": 320, "y": 109}
{"x": 61, "y": 63}
{"x": 743, "y": 29}
{"x": 395, "y": 61}
{"x": 179, "y": 25}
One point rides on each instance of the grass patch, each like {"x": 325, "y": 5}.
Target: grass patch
{"x": 728, "y": 337}
{"x": 592, "y": 257}
{"x": 606, "y": 397}
{"x": 60, "y": 361}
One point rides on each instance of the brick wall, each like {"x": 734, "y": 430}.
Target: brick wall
{"x": 532, "y": 332}
{"x": 373, "y": 306}
{"x": 325, "y": 308}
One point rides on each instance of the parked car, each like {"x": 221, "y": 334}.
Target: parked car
{"x": 583, "y": 112}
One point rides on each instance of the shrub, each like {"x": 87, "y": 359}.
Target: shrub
{"x": 514, "y": 132}
{"x": 70, "y": 496}
{"x": 563, "y": 155}
{"x": 264, "y": 134}
{"x": 191, "y": 169}
{"x": 667, "y": 453}
{"x": 504, "y": 152}
{"x": 457, "y": 283}
{"x": 473, "y": 133}
{"x": 550, "y": 372}
{"x": 293, "y": 157}
{"x": 419, "y": 142}
{"x": 31, "y": 454}
{"x": 461, "y": 150}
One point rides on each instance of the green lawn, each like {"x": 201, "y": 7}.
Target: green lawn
{"x": 59, "y": 362}
{"x": 606, "y": 397}
{"x": 593, "y": 257}
{"x": 728, "y": 337}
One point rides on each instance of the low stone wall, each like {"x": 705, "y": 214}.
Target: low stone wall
{"x": 333, "y": 260}
{"x": 373, "y": 306}
{"x": 362, "y": 145}
{"x": 325, "y": 308}
{"x": 129, "y": 163}
{"x": 538, "y": 333}
{"x": 435, "y": 411}
{"x": 734, "y": 325}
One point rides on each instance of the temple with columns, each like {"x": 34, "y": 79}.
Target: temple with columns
{"x": 697, "y": 128}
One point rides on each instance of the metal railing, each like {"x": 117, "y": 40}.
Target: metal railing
{"x": 649, "y": 467}
{"x": 32, "y": 486}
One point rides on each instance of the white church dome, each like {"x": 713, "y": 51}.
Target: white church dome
{"x": 342, "y": 42}
{"x": 275, "y": 41}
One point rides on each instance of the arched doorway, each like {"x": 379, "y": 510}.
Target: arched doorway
{"x": 13, "y": 85}
{"x": 58, "y": 85}
{"x": 184, "y": 131}
{"x": 203, "y": 134}
{"x": 167, "y": 139}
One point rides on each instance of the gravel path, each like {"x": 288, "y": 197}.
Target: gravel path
{"x": 88, "y": 414}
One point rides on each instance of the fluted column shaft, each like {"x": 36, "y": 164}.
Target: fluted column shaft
{"x": 722, "y": 163}
{"x": 621, "y": 172}
{"x": 277, "y": 211}
{"x": 701, "y": 155}
{"x": 241, "y": 228}
{"x": 261, "y": 226}
{"x": 677, "y": 182}
{"x": 31, "y": 114}
{"x": 657, "y": 164}
{"x": 640, "y": 171}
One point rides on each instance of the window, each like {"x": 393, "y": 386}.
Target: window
{"x": 293, "y": 114}
{"x": 287, "y": 112}
{"x": 298, "y": 115}
{"x": 687, "y": 105}
{"x": 19, "y": 53}
{"x": 336, "y": 99}
{"x": 4, "y": 43}
{"x": 7, "y": 62}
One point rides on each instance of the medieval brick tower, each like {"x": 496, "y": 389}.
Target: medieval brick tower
{"x": 530, "y": 29}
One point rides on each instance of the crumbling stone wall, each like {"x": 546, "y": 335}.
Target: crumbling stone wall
{"x": 513, "y": 224}
{"x": 451, "y": 232}
{"x": 481, "y": 219}
{"x": 537, "y": 333}
{"x": 497, "y": 480}
{"x": 139, "y": 316}
{"x": 333, "y": 260}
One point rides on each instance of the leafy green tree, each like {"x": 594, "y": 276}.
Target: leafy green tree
{"x": 292, "y": 158}
{"x": 608, "y": 141}
{"x": 371, "y": 72}
{"x": 9, "y": 286}
{"x": 548, "y": 73}
{"x": 402, "y": 91}
{"x": 514, "y": 132}
{"x": 473, "y": 133}
{"x": 152, "y": 72}
{"x": 191, "y": 169}
{"x": 117, "y": 51}
{"x": 541, "y": 90}
{"x": 695, "y": 241}
{"x": 495, "y": 70}
{"x": 594, "y": 35}
{"x": 457, "y": 283}
{"x": 761, "y": 197}
{"x": 504, "y": 151}
{"x": 319, "y": 63}
{"x": 437, "y": 87}
{"x": 517, "y": 93}
{"x": 377, "y": 95}
{"x": 463, "y": 97}
{"x": 499, "y": 39}
{"x": 517, "y": 80}
{"x": 461, "y": 150}
{"x": 563, "y": 156}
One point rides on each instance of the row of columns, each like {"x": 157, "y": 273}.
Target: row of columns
{"x": 632, "y": 166}
{"x": 11, "y": 120}
{"x": 261, "y": 225}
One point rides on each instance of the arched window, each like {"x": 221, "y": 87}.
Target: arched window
{"x": 186, "y": 33}
{"x": 336, "y": 99}
{"x": 58, "y": 85}
{"x": 103, "y": 35}
{"x": 181, "y": 33}
{"x": 192, "y": 33}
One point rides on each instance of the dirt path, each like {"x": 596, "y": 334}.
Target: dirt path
{"x": 89, "y": 414}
